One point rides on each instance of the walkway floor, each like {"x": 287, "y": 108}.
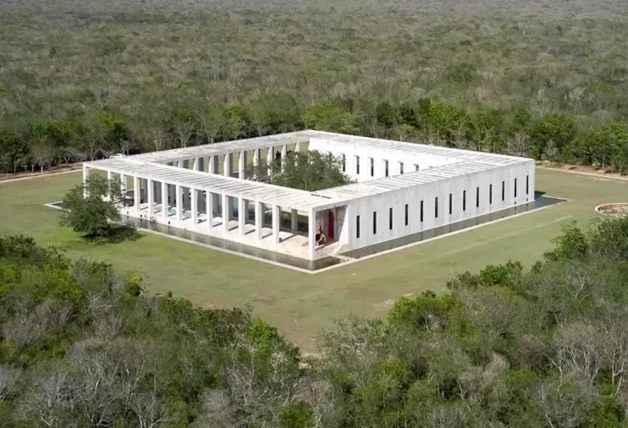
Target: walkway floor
{"x": 291, "y": 243}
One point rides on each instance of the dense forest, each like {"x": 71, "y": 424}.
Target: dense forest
{"x": 508, "y": 346}
{"x": 80, "y": 80}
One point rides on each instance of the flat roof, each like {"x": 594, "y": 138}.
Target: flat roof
{"x": 248, "y": 189}
{"x": 152, "y": 166}
{"x": 234, "y": 146}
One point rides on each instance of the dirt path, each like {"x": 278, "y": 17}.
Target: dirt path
{"x": 32, "y": 176}
{"x": 590, "y": 172}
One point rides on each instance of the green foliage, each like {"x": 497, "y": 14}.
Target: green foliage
{"x": 116, "y": 128}
{"x": 508, "y": 347}
{"x": 570, "y": 245}
{"x": 434, "y": 75}
{"x": 610, "y": 238}
{"x": 13, "y": 152}
{"x": 134, "y": 284}
{"x": 71, "y": 325}
{"x": 263, "y": 335}
{"x": 425, "y": 312}
{"x": 309, "y": 170}
{"x": 609, "y": 413}
{"x": 334, "y": 116}
{"x": 559, "y": 129}
{"x": 506, "y": 275}
{"x": 91, "y": 208}
{"x": 297, "y": 415}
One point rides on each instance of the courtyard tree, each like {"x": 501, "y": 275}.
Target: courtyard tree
{"x": 90, "y": 209}
{"x": 308, "y": 170}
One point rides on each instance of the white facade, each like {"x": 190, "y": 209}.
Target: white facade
{"x": 400, "y": 189}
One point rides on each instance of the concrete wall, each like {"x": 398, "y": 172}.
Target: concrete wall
{"x": 412, "y": 197}
{"x": 354, "y": 153}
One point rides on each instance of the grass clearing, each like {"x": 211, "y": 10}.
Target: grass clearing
{"x": 301, "y": 304}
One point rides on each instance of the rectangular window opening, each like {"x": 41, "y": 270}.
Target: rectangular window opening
{"x": 464, "y": 200}
{"x": 490, "y": 194}
{"x": 436, "y": 207}
{"x": 344, "y": 163}
{"x": 406, "y": 215}
{"x": 416, "y": 167}
{"x": 421, "y": 214}
{"x": 372, "y": 166}
{"x": 527, "y": 184}
{"x": 515, "y": 188}
{"x": 477, "y": 197}
{"x": 386, "y": 168}
{"x": 390, "y": 218}
{"x": 357, "y": 165}
{"x": 400, "y": 167}
{"x": 374, "y": 222}
{"x": 357, "y": 227}
{"x": 503, "y": 191}
{"x": 450, "y": 203}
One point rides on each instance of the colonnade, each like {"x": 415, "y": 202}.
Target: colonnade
{"x": 165, "y": 202}
{"x": 213, "y": 161}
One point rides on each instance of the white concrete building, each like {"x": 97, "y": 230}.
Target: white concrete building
{"x": 400, "y": 189}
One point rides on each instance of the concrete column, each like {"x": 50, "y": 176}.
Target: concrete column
{"x": 270, "y": 156}
{"x": 241, "y": 215}
{"x": 311, "y": 235}
{"x": 179, "y": 203}
{"x": 227, "y": 164}
{"x": 209, "y": 207}
{"x": 258, "y": 219}
{"x": 150, "y": 184}
{"x": 194, "y": 206}
{"x": 270, "y": 159}
{"x": 295, "y": 220}
{"x": 242, "y": 166}
{"x": 123, "y": 185}
{"x": 109, "y": 177}
{"x": 195, "y": 164}
{"x": 276, "y": 223}
{"x": 164, "y": 199}
{"x": 256, "y": 157}
{"x": 137, "y": 190}
{"x": 180, "y": 164}
{"x": 284, "y": 153}
{"x": 225, "y": 213}
{"x": 85, "y": 180}
{"x": 297, "y": 147}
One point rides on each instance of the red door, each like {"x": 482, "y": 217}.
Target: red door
{"x": 330, "y": 225}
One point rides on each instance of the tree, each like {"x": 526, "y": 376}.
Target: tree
{"x": 518, "y": 144}
{"x": 309, "y": 170}
{"x": 116, "y": 128}
{"x": 43, "y": 155}
{"x": 13, "y": 152}
{"x": 558, "y": 129}
{"x": 91, "y": 208}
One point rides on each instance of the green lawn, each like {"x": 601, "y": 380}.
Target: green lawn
{"x": 302, "y": 304}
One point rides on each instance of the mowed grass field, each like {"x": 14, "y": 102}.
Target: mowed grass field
{"x": 302, "y": 304}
